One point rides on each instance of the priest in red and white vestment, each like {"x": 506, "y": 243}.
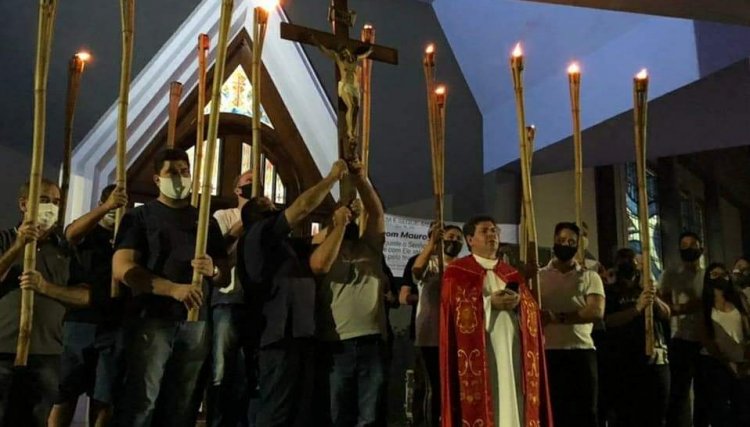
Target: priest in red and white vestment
{"x": 493, "y": 372}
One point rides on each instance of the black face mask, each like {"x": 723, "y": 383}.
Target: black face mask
{"x": 246, "y": 191}
{"x": 741, "y": 280}
{"x": 564, "y": 253}
{"x": 626, "y": 270}
{"x": 690, "y": 254}
{"x": 721, "y": 283}
{"x": 352, "y": 232}
{"x": 452, "y": 248}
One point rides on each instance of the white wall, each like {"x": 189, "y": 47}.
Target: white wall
{"x": 554, "y": 201}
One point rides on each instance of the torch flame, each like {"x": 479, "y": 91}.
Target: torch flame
{"x": 83, "y": 56}
{"x": 517, "y": 51}
{"x": 430, "y": 48}
{"x": 268, "y": 5}
{"x": 643, "y": 75}
{"x": 574, "y": 68}
{"x": 440, "y": 90}
{"x": 368, "y": 27}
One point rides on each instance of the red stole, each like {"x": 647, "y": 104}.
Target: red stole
{"x": 466, "y": 393}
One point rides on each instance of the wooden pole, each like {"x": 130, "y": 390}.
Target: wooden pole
{"x": 260, "y": 23}
{"x": 203, "y": 45}
{"x": 175, "y": 93}
{"x": 127, "y": 14}
{"x": 204, "y": 207}
{"x": 523, "y": 229}
{"x": 45, "y": 29}
{"x": 365, "y": 78}
{"x": 75, "y": 71}
{"x": 439, "y": 154}
{"x": 436, "y": 132}
{"x": 574, "y": 82}
{"x": 640, "y": 113}
{"x": 532, "y": 256}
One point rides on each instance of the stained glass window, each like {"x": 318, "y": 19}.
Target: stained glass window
{"x": 692, "y": 215}
{"x": 237, "y": 96}
{"x": 654, "y": 221}
{"x": 215, "y": 175}
{"x": 273, "y": 187}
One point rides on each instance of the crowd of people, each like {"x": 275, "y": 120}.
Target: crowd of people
{"x": 294, "y": 331}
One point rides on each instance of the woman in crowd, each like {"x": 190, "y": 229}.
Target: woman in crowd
{"x": 724, "y": 360}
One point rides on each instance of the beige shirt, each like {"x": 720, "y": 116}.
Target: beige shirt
{"x": 566, "y": 293}
{"x": 685, "y": 286}
{"x": 350, "y": 296}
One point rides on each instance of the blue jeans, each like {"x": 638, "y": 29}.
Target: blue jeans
{"x": 356, "y": 377}
{"x": 164, "y": 360}
{"x": 28, "y": 393}
{"x": 91, "y": 362}
{"x": 286, "y": 383}
{"x": 232, "y": 368}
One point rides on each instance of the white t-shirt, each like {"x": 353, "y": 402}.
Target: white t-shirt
{"x": 566, "y": 293}
{"x": 729, "y": 334}
{"x": 226, "y": 219}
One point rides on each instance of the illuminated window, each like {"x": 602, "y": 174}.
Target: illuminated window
{"x": 237, "y": 97}
{"x": 215, "y": 175}
{"x": 654, "y": 221}
{"x": 273, "y": 188}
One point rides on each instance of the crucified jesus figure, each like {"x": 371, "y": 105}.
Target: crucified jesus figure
{"x": 349, "y": 88}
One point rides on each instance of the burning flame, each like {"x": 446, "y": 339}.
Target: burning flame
{"x": 430, "y": 48}
{"x": 440, "y": 90}
{"x": 517, "y": 51}
{"x": 643, "y": 75}
{"x": 368, "y": 27}
{"x": 574, "y": 68}
{"x": 83, "y": 56}
{"x": 268, "y": 5}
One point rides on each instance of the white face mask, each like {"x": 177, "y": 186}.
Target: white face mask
{"x": 108, "y": 221}
{"x": 47, "y": 215}
{"x": 175, "y": 188}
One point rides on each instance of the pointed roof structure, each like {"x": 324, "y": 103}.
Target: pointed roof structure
{"x": 93, "y": 161}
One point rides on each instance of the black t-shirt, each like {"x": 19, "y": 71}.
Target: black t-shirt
{"x": 626, "y": 343}
{"x": 278, "y": 283}
{"x": 94, "y": 267}
{"x": 53, "y": 260}
{"x": 165, "y": 239}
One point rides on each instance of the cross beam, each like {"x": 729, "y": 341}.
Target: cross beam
{"x": 341, "y": 19}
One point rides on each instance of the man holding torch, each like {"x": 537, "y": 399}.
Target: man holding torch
{"x": 27, "y": 393}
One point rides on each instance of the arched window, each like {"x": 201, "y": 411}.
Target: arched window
{"x": 237, "y": 97}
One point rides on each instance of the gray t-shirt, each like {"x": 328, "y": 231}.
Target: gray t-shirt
{"x": 685, "y": 286}
{"x": 350, "y": 296}
{"x": 53, "y": 263}
{"x": 427, "y": 321}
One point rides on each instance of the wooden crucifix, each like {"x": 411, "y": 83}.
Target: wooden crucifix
{"x": 347, "y": 53}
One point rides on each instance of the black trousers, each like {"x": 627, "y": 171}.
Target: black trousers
{"x": 429, "y": 359}
{"x": 642, "y": 396}
{"x": 727, "y": 396}
{"x": 573, "y": 380}
{"x": 684, "y": 357}
{"x": 28, "y": 393}
{"x": 286, "y": 378}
